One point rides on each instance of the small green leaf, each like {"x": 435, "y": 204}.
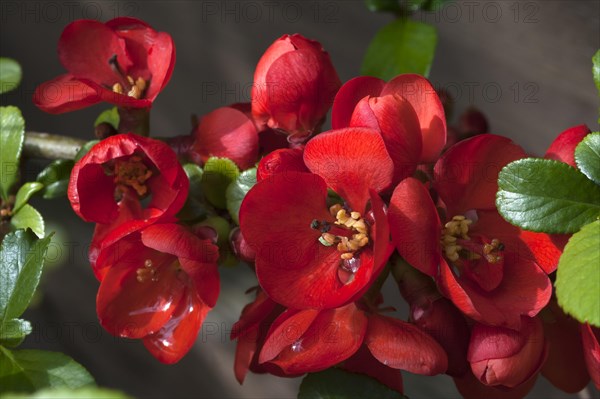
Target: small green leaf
{"x": 221, "y": 226}
{"x": 578, "y": 275}
{"x": 195, "y": 206}
{"x": 587, "y": 156}
{"x": 63, "y": 393}
{"x": 596, "y": 69}
{"x": 335, "y": 383}
{"x": 110, "y": 116}
{"x": 13, "y": 331}
{"x": 237, "y": 191}
{"x": 12, "y": 134}
{"x": 10, "y": 74}
{"x": 55, "y": 178}
{"x": 25, "y": 193}
{"x": 218, "y": 174}
{"x": 30, "y": 370}
{"x": 85, "y": 149}
{"x": 21, "y": 260}
{"x": 28, "y": 218}
{"x": 546, "y": 196}
{"x": 403, "y": 46}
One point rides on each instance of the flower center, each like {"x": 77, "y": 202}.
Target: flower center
{"x": 132, "y": 172}
{"x": 349, "y": 233}
{"x": 126, "y": 84}
{"x": 456, "y": 243}
{"x": 147, "y": 273}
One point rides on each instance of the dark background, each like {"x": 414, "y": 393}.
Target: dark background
{"x": 526, "y": 64}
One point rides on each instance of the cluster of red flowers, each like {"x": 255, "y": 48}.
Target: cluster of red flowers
{"x": 331, "y": 216}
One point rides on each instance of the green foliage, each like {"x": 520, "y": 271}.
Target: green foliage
{"x": 194, "y": 208}
{"x": 14, "y": 331}
{"x": 12, "y": 135}
{"x": 237, "y": 191}
{"x": 10, "y": 74}
{"x": 84, "y": 149}
{"x": 55, "y": 178}
{"x": 587, "y": 157}
{"x": 28, "y": 218}
{"x": 218, "y": 174}
{"x": 546, "y": 196}
{"x": 403, "y": 46}
{"x": 110, "y": 116}
{"x": 25, "y": 193}
{"x": 596, "y": 69}
{"x": 335, "y": 383}
{"x": 64, "y": 393}
{"x": 578, "y": 275}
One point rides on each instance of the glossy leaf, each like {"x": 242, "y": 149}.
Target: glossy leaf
{"x": 547, "y": 196}
{"x": 218, "y": 174}
{"x": 29, "y": 218}
{"x": 12, "y": 135}
{"x": 30, "y": 370}
{"x": 403, "y": 46}
{"x": 587, "y": 156}
{"x": 24, "y": 194}
{"x": 195, "y": 206}
{"x": 237, "y": 191}
{"x": 13, "y": 331}
{"x": 578, "y": 276}
{"x": 10, "y": 74}
{"x": 335, "y": 383}
{"x": 55, "y": 178}
{"x": 21, "y": 260}
{"x": 110, "y": 116}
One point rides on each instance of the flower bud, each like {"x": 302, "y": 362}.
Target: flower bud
{"x": 501, "y": 356}
{"x": 294, "y": 86}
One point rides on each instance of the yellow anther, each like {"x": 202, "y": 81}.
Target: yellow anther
{"x": 334, "y": 209}
{"x": 330, "y": 238}
{"x": 117, "y": 88}
{"x": 141, "y": 84}
{"x": 130, "y": 80}
{"x": 347, "y": 256}
{"x": 341, "y": 216}
{"x": 355, "y": 215}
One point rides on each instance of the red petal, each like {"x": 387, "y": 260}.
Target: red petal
{"x": 132, "y": 309}
{"x": 591, "y": 349}
{"x": 281, "y": 161}
{"x": 85, "y": 48}
{"x": 64, "y": 94}
{"x": 424, "y": 99}
{"x": 544, "y": 249}
{"x": 563, "y": 147}
{"x": 178, "y": 335}
{"x": 396, "y": 120}
{"x": 364, "y": 363}
{"x": 471, "y": 388}
{"x": 292, "y": 267}
{"x": 286, "y": 330}
{"x": 415, "y": 225}
{"x": 91, "y": 193}
{"x": 227, "y": 132}
{"x": 349, "y": 95}
{"x": 382, "y": 249}
{"x": 253, "y": 314}
{"x": 179, "y": 241}
{"x": 351, "y": 161}
{"x": 121, "y": 100}
{"x": 466, "y": 176}
{"x": 401, "y": 345}
{"x": 332, "y": 336}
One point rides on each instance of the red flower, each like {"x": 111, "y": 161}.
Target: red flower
{"x": 158, "y": 285}
{"x": 484, "y": 265}
{"x": 309, "y": 255}
{"x": 128, "y": 164}
{"x": 563, "y": 147}
{"x": 591, "y": 349}
{"x": 281, "y": 161}
{"x": 501, "y": 356}
{"x": 227, "y": 132}
{"x": 294, "y": 86}
{"x": 406, "y": 110}
{"x": 124, "y": 62}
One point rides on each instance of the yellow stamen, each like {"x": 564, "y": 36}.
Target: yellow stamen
{"x": 133, "y": 173}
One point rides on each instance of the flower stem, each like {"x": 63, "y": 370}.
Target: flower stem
{"x": 50, "y": 146}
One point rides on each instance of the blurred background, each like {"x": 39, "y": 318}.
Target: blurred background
{"x": 525, "y": 64}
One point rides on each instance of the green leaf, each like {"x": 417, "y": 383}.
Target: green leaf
{"x": 13, "y": 331}
{"x": 335, "y": 383}
{"x": 587, "y": 156}
{"x": 578, "y": 275}
{"x": 596, "y": 69}
{"x": 25, "y": 193}
{"x": 85, "y": 149}
{"x": 55, "y": 178}
{"x": 194, "y": 208}
{"x": 10, "y": 74}
{"x": 110, "y": 116}
{"x": 28, "y": 218}
{"x": 218, "y": 174}
{"x": 12, "y": 134}
{"x": 62, "y": 393}
{"x": 403, "y": 46}
{"x": 21, "y": 260}
{"x": 30, "y": 370}
{"x": 546, "y": 196}
{"x": 237, "y": 191}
